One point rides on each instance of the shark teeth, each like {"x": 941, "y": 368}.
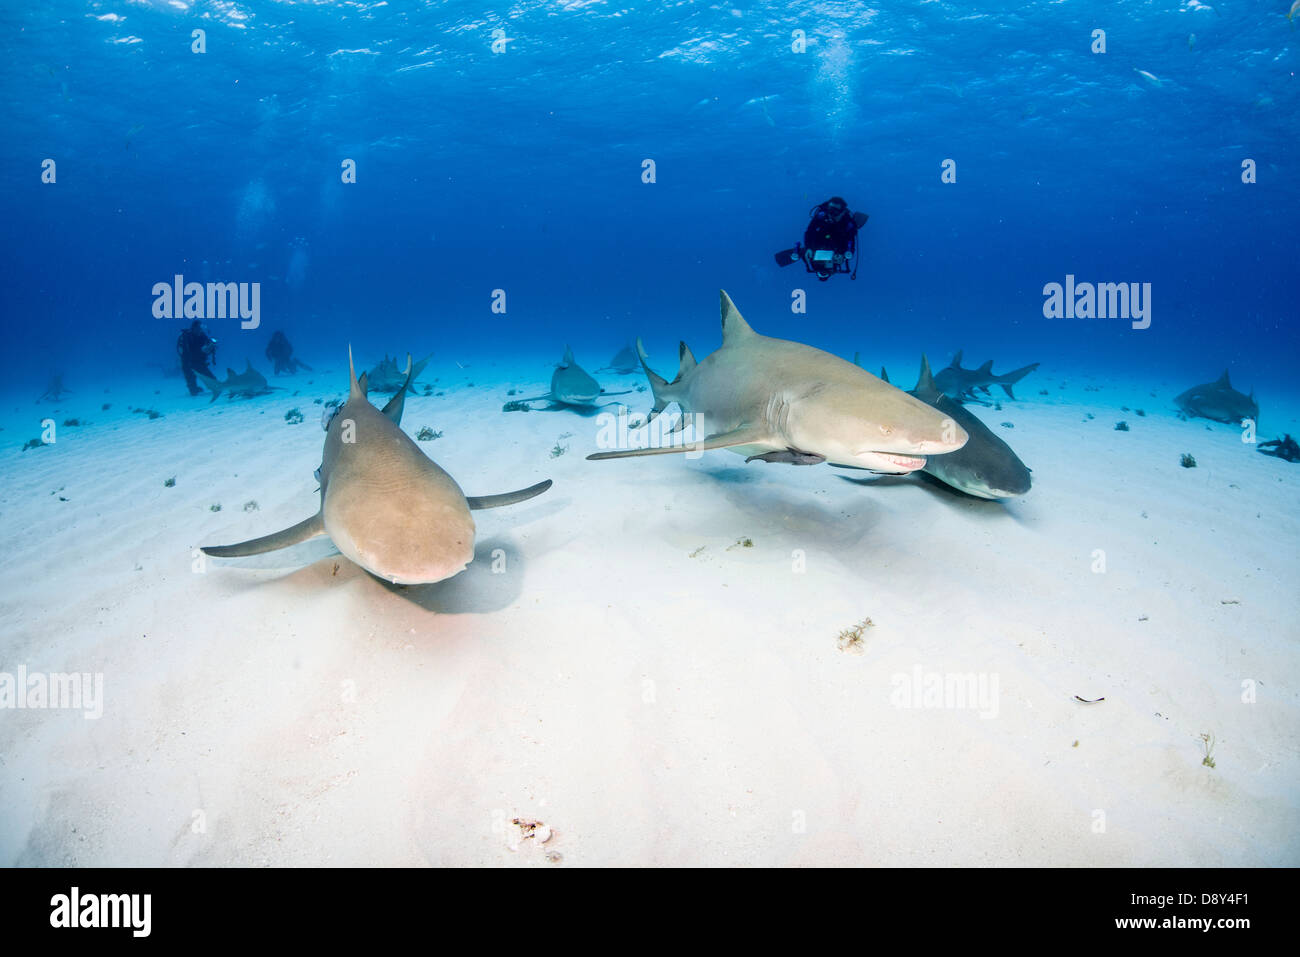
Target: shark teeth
{"x": 903, "y": 461}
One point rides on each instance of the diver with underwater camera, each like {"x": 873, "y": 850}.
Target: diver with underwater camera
{"x": 829, "y": 242}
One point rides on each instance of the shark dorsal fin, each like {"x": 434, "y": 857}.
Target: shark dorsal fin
{"x": 230, "y": 373}
{"x": 1223, "y": 380}
{"x": 356, "y": 387}
{"x": 857, "y": 359}
{"x": 925, "y": 388}
{"x": 734, "y": 326}
{"x": 568, "y": 359}
{"x": 956, "y": 361}
{"x": 248, "y": 365}
{"x": 686, "y": 360}
{"x": 884, "y": 376}
{"x": 986, "y": 368}
{"x": 398, "y": 402}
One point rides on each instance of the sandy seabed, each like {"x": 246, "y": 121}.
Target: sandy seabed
{"x": 646, "y": 664}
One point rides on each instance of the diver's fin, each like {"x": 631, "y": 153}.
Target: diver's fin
{"x": 860, "y": 219}
{"x": 308, "y": 528}
{"x": 745, "y": 435}
{"x": 507, "y": 498}
{"x": 787, "y": 257}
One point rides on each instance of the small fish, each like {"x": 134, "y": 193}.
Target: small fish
{"x": 1152, "y": 78}
{"x": 1295, "y": 7}
{"x": 1191, "y": 37}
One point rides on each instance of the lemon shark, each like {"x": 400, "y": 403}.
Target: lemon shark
{"x": 781, "y": 401}
{"x": 985, "y": 466}
{"x": 387, "y": 377}
{"x": 1219, "y": 401}
{"x": 248, "y": 383}
{"x": 624, "y": 362}
{"x": 573, "y": 385}
{"x": 384, "y": 503}
{"x": 960, "y": 384}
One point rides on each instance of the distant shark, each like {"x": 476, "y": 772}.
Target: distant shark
{"x": 55, "y": 390}
{"x": 985, "y": 466}
{"x": 387, "y": 377}
{"x": 572, "y": 385}
{"x": 1219, "y": 401}
{"x": 248, "y": 383}
{"x": 625, "y": 362}
{"x": 384, "y": 503}
{"x": 960, "y": 384}
{"x": 780, "y": 401}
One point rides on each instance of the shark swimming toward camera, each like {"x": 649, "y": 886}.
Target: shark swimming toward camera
{"x": 572, "y": 385}
{"x": 985, "y": 466}
{"x": 1219, "y": 401}
{"x": 387, "y": 377}
{"x": 55, "y": 390}
{"x": 246, "y": 384}
{"x": 960, "y": 384}
{"x": 385, "y": 504}
{"x": 625, "y": 362}
{"x": 779, "y": 401}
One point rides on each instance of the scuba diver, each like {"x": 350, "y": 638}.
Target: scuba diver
{"x": 195, "y": 349}
{"x": 280, "y": 352}
{"x": 829, "y": 242}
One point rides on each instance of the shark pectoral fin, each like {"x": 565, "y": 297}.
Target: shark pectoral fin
{"x": 789, "y": 456}
{"x": 624, "y": 392}
{"x": 308, "y": 528}
{"x": 507, "y": 498}
{"x": 745, "y": 435}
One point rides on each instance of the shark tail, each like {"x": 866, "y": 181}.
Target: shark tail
{"x": 1011, "y": 378}
{"x": 212, "y": 384}
{"x": 664, "y": 391}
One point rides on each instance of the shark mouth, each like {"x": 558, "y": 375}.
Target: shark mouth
{"x": 901, "y": 463}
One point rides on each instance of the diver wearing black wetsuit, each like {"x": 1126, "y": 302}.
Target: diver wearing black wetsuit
{"x": 830, "y": 228}
{"x": 280, "y": 352}
{"x": 195, "y": 349}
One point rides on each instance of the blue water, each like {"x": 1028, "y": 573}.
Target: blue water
{"x": 522, "y": 171}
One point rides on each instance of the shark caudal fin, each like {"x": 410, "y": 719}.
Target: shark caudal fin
{"x": 308, "y": 528}
{"x": 212, "y": 384}
{"x": 1011, "y": 378}
{"x": 659, "y": 386}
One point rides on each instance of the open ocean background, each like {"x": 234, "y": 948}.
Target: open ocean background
{"x": 521, "y": 171}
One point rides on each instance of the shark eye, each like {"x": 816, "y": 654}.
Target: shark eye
{"x": 886, "y": 430}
